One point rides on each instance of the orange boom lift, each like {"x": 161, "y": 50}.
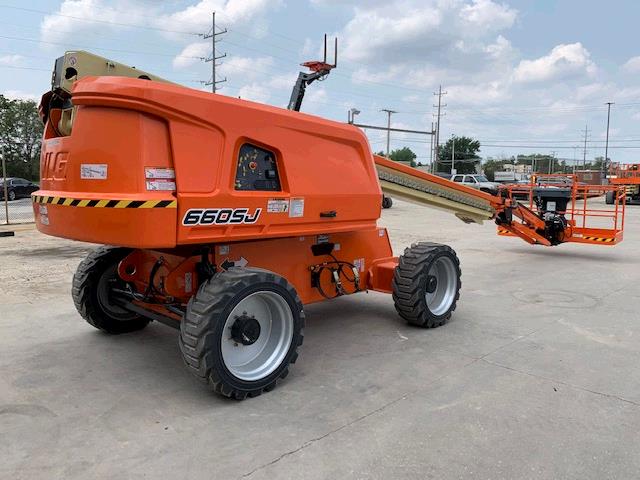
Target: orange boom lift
{"x": 627, "y": 176}
{"x": 226, "y": 217}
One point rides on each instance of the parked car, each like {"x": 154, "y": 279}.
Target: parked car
{"x": 479, "y": 182}
{"x": 17, "y": 188}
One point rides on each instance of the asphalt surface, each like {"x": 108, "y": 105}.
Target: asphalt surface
{"x": 536, "y": 376}
{"x": 20, "y": 211}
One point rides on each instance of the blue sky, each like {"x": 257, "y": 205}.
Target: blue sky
{"x": 522, "y": 76}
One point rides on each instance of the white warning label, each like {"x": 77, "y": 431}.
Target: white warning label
{"x": 93, "y": 171}
{"x": 277, "y": 205}
{"x": 296, "y": 207}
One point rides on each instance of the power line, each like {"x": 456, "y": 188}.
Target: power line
{"x": 25, "y": 68}
{"x": 82, "y": 19}
{"x": 134, "y": 52}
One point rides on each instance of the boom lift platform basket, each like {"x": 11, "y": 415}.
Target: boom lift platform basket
{"x": 566, "y": 210}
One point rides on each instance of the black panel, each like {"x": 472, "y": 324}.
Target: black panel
{"x": 257, "y": 170}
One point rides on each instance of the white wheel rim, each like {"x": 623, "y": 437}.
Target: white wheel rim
{"x": 445, "y": 273}
{"x": 261, "y": 358}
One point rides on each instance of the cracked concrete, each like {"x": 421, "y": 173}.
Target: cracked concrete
{"x": 536, "y": 376}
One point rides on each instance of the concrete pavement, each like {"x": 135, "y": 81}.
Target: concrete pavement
{"x": 536, "y": 376}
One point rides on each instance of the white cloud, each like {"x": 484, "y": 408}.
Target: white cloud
{"x": 11, "y": 60}
{"x": 197, "y": 17}
{"x": 563, "y": 61}
{"x": 229, "y": 13}
{"x": 478, "y": 94}
{"x": 488, "y": 16}
{"x": 68, "y": 23}
{"x": 245, "y": 68}
{"x": 20, "y": 95}
{"x": 632, "y": 65}
{"x": 255, "y": 92}
{"x": 192, "y": 54}
{"x": 423, "y": 30}
{"x": 501, "y": 49}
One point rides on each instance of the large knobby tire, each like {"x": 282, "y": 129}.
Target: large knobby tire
{"x": 426, "y": 284}
{"x": 92, "y": 282}
{"x": 609, "y": 198}
{"x": 241, "y": 331}
{"x": 387, "y": 202}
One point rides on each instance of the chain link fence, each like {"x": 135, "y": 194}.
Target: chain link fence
{"x": 15, "y": 198}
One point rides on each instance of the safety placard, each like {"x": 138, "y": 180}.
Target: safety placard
{"x": 161, "y": 185}
{"x": 296, "y": 207}
{"x": 277, "y": 205}
{"x": 154, "y": 172}
{"x": 93, "y": 171}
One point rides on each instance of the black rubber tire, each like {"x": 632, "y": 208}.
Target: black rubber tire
{"x": 609, "y": 198}
{"x": 86, "y": 283}
{"x": 410, "y": 284}
{"x": 203, "y": 325}
{"x": 12, "y": 195}
{"x": 387, "y": 202}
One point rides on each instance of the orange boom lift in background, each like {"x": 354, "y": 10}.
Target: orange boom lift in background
{"x": 627, "y": 176}
{"x": 227, "y": 216}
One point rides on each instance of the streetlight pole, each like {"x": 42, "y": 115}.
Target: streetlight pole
{"x": 389, "y": 112}
{"x": 606, "y": 144}
{"x": 351, "y": 114}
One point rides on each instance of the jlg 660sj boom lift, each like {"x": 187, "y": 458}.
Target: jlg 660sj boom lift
{"x": 227, "y": 217}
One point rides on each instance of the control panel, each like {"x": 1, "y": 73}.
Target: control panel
{"x": 257, "y": 169}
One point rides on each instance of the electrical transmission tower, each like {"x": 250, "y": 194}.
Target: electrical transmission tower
{"x": 438, "y": 115}
{"x": 213, "y": 58}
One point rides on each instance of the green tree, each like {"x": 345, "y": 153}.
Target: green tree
{"x": 20, "y": 137}
{"x": 493, "y": 165}
{"x": 404, "y": 154}
{"x": 465, "y": 151}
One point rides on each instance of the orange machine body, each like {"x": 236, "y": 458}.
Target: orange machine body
{"x": 124, "y": 127}
{"x": 624, "y": 174}
{"x": 96, "y": 187}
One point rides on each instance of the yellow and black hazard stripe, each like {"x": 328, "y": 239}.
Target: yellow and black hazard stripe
{"x": 600, "y": 239}
{"x": 105, "y": 203}
{"x": 503, "y": 231}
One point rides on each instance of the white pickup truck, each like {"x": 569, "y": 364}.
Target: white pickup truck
{"x": 477, "y": 181}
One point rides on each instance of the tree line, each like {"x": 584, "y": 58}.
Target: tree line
{"x": 20, "y": 137}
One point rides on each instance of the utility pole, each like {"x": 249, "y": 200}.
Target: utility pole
{"x": 389, "y": 112}
{"x": 438, "y": 116}
{"x": 432, "y": 169}
{"x": 606, "y": 144}
{"x": 453, "y": 153}
{"x": 4, "y": 186}
{"x": 214, "y": 82}
{"x": 584, "y": 151}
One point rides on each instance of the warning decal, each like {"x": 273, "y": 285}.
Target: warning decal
{"x": 277, "y": 205}
{"x": 296, "y": 207}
